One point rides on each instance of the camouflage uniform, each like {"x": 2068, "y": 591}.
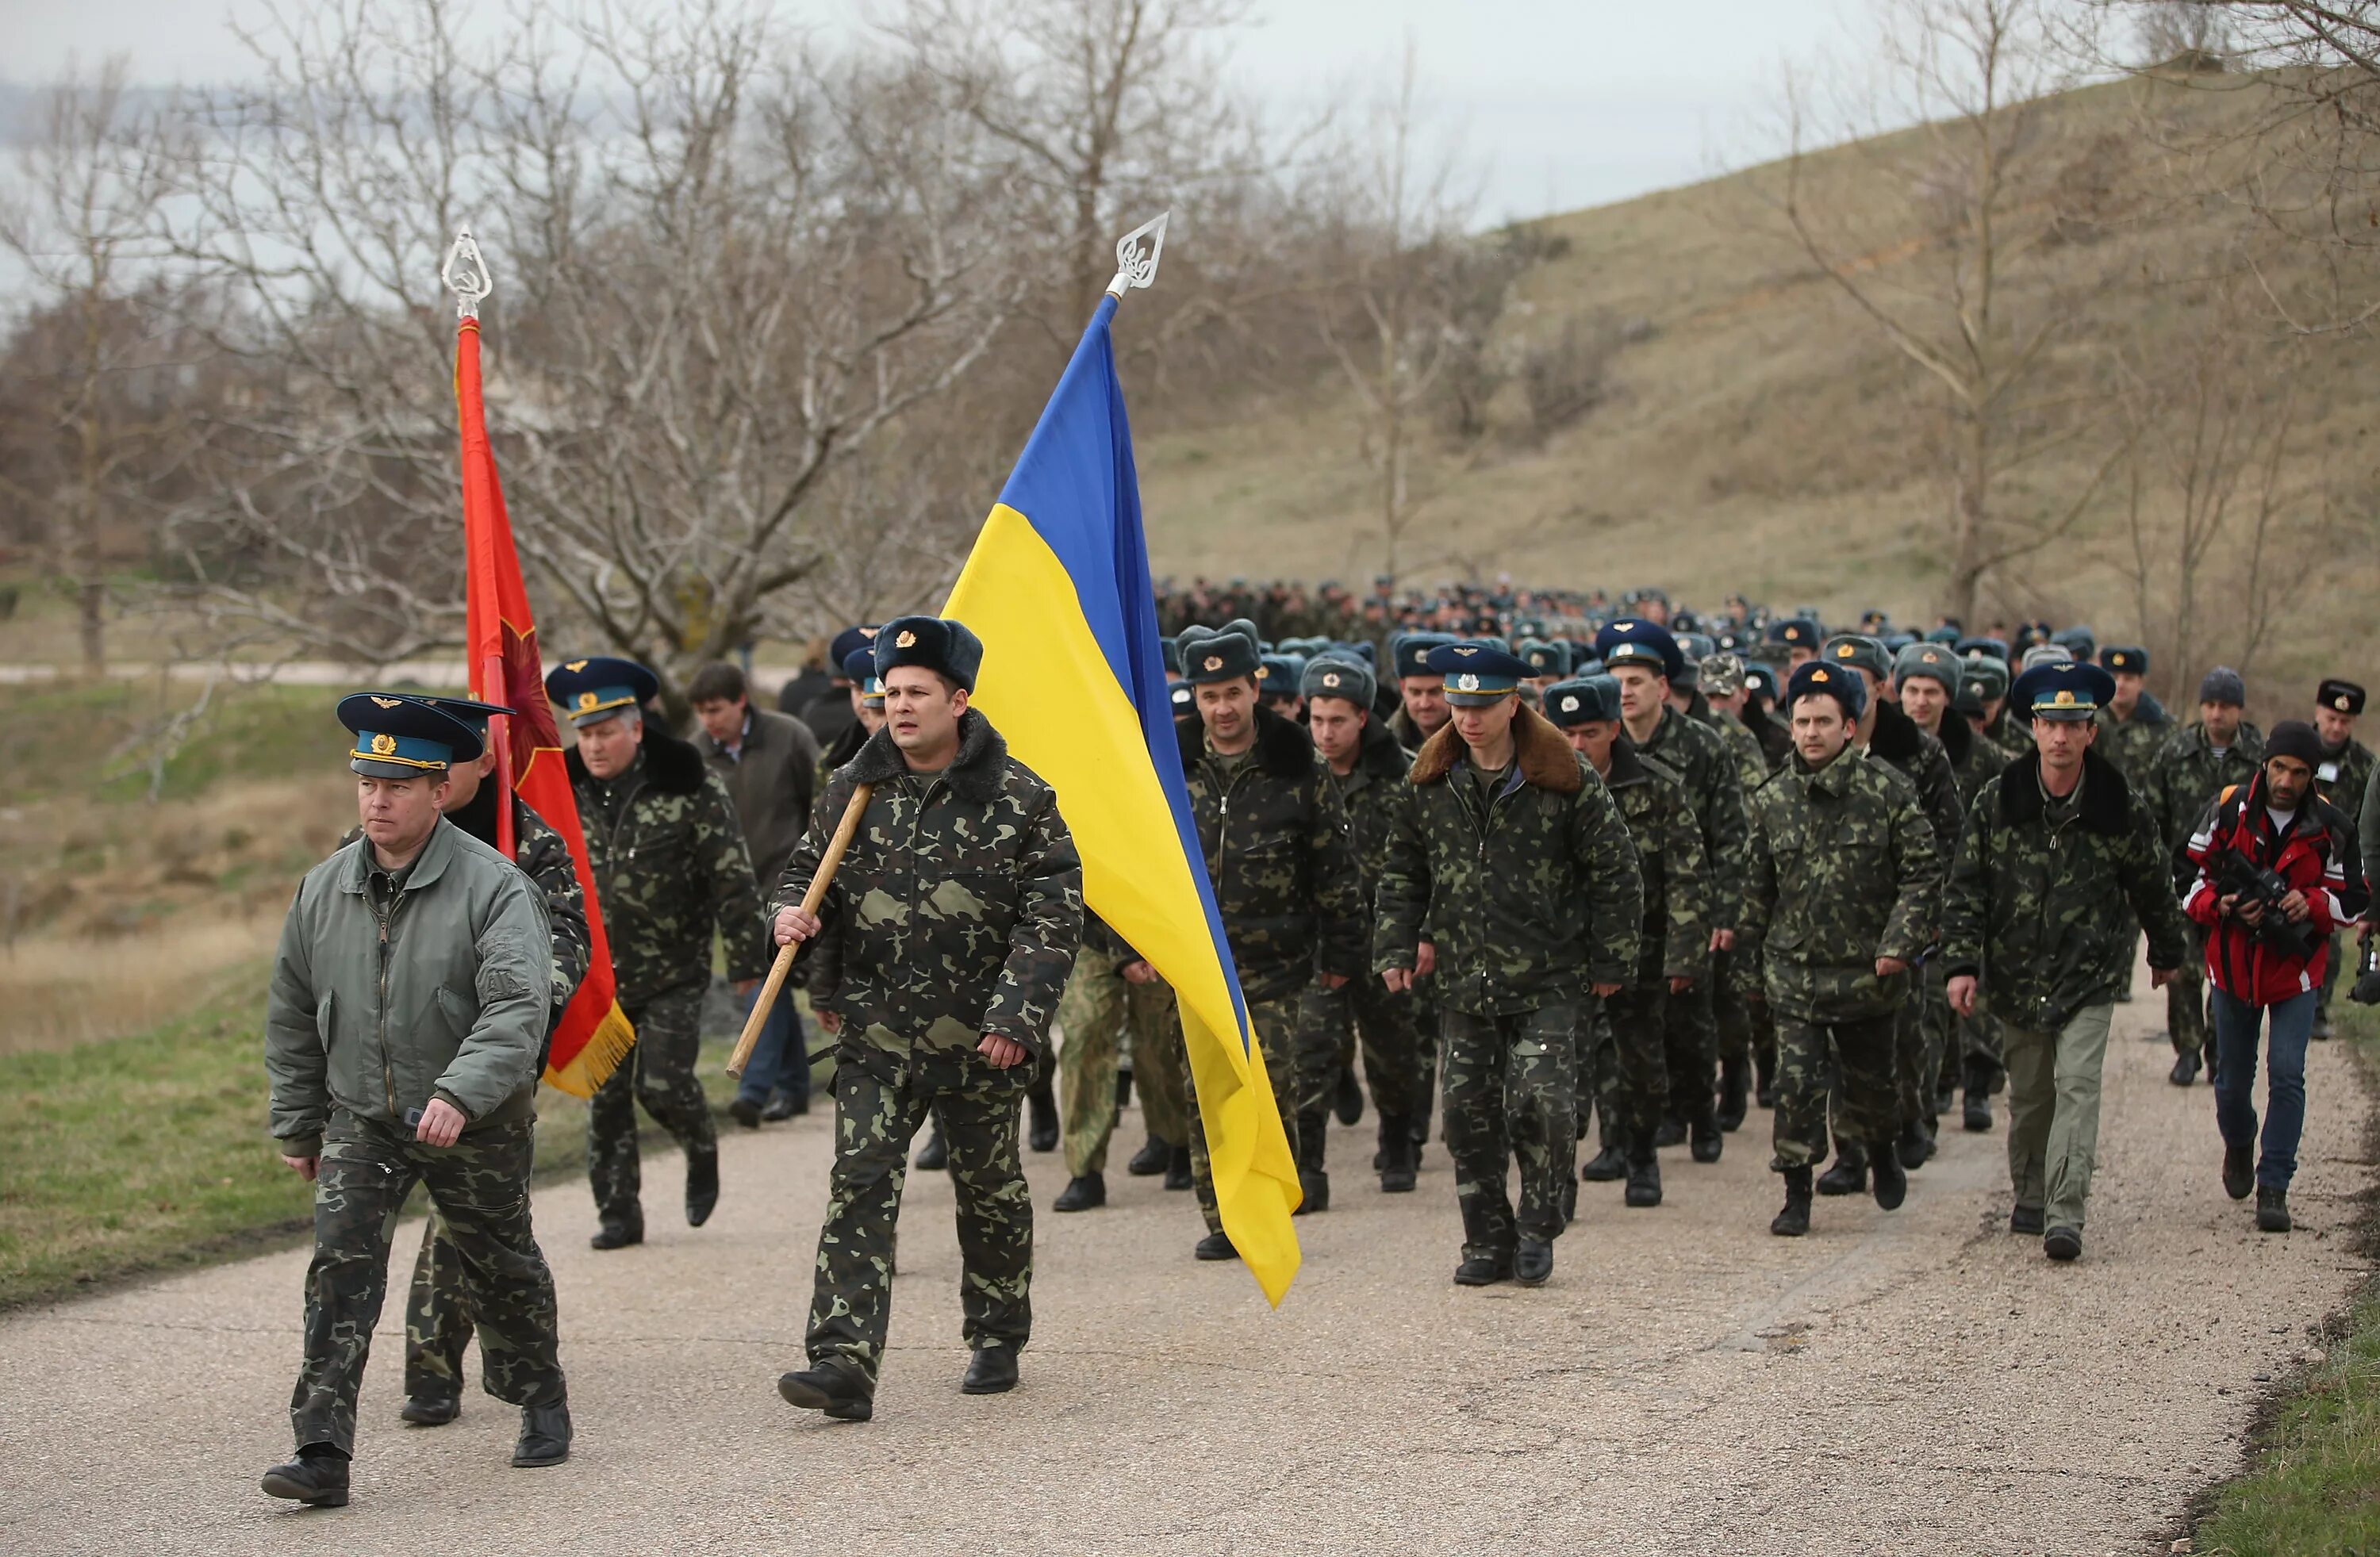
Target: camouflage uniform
{"x": 1286, "y": 887}
{"x": 1925, "y": 1026}
{"x": 1333, "y": 1019}
{"x": 955, "y": 914}
{"x": 1529, "y": 896}
{"x": 2186, "y": 778}
{"x": 1844, "y": 870}
{"x": 438, "y": 1308}
{"x": 1100, "y": 1012}
{"x": 2341, "y": 779}
{"x": 1975, "y": 1059}
{"x": 669, "y": 866}
{"x": 2132, "y": 745}
{"x": 1626, "y": 1074}
{"x": 2033, "y": 912}
{"x": 1700, "y": 758}
{"x": 1734, "y": 988}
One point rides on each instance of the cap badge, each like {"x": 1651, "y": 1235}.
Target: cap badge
{"x": 575, "y": 665}
{"x": 1331, "y": 678}
{"x": 1843, "y": 651}
{"x": 1214, "y": 663}
{"x": 1624, "y": 627}
{"x": 384, "y": 745}
{"x": 1466, "y": 684}
{"x": 907, "y": 640}
{"x": 587, "y": 701}
{"x": 2339, "y": 703}
{"x": 1466, "y": 653}
{"x": 1570, "y": 705}
{"x": 1817, "y": 675}
{"x": 379, "y": 702}
{"x": 2065, "y": 698}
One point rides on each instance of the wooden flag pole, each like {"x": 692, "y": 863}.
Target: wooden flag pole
{"x": 828, "y": 862}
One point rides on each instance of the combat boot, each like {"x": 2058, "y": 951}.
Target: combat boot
{"x": 2238, "y": 1171}
{"x": 2027, "y": 1220}
{"x": 991, "y": 1370}
{"x": 1315, "y": 1186}
{"x": 618, "y": 1233}
{"x": 1532, "y": 1262}
{"x": 1734, "y": 1091}
{"x": 936, "y": 1156}
{"x": 830, "y": 1388}
{"x": 1709, "y": 1142}
{"x": 1041, "y": 1116}
{"x": 1794, "y": 1220}
{"x": 544, "y": 1435}
{"x": 1605, "y": 1166}
{"x": 1398, "y": 1177}
{"x": 1891, "y": 1178}
{"x": 318, "y": 1477}
{"x": 1915, "y": 1146}
{"x": 1177, "y": 1169}
{"x": 1347, "y": 1102}
{"x": 2272, "y": 1209}
{"x": 1644, "y": 1176}
{"x": 1483, "y": 1271}
{"x": 1216, "y": 1246}
{"x": 701, "y": 1185}
{"x": 1150, "y": 1160}
{"x": 1672, "y": 1131}
{"x": 1082, "y": 1194}
{"x": 1977, "y": 1080}
{"x": 2185, "y": 1069}
{"x": 1848, "y": 1175}
{"x": 434, "y": 1410}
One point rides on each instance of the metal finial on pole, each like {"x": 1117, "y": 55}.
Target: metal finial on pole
{"x": 1134, "y": 269}
{"x": 465, "y": 273}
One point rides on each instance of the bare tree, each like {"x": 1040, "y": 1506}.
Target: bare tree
{"x": 1936, "y": 235}
{"x": 2182, "y": 34}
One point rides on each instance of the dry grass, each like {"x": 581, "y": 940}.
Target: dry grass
{"x": 57, "y": 990}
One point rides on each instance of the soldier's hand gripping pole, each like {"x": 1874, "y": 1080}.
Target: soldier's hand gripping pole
{"x": 828, "y": 862}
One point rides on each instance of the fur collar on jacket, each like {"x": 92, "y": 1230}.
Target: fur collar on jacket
{"x": 672, "y": 765}
{"x": 1545, "y": 758}
{"x": 1897, "y": 737}
{"x": 2107, "y": 798}
{"x": 1379, "y": 755}
{"x": 974, "y": 774}
{"x": 1284, "y": 749}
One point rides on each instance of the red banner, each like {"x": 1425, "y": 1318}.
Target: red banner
{"x": 594, "y": 1035}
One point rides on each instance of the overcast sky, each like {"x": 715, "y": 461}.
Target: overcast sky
{"x": 1564, "y": 105}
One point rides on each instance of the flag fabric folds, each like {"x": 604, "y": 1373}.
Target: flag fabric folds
{"x": 1058, "y": 588}
{"x": 594, "y": 1034}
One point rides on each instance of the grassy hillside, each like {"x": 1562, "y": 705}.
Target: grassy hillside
{"x": 1762, "y": 436}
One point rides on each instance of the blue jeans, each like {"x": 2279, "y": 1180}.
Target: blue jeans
{"x": 781, "y": 1059}
{"x": 2237, "y": 1025}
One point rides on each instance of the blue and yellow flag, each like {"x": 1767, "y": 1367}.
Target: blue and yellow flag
{"x": 1058, "y": 589}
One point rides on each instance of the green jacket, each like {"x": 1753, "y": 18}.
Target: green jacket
{"x": 1844, "y": 870}
{"x": 1902, "y": 745}
{"x": 1750, "y": 762}
{"x": 1676, "y": 942}
{"x": 1700, "y": 758}
{"x": 1370, "y": 796}
{"x": 2344, "y": 781}
{"x": 670, "y": 868}
{"x": 383, "y": 999}
{"x": 957, "y": 910}
{"x": 2187, "y": 777}
{"x": 1278, "y": 856}
{"x": 1974, "y": 760}
{"x": 1527, "y": 903}
{"x": 2133, "y": 745}
{"x": 2034, "y": 905}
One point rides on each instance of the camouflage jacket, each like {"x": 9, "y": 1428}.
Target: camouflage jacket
{"x": 670, "y": 868}
{"x": 1652, "y": 801}
{"x": 1275, "y": 842}
{"x": 956, "y": 911}
{"x": 2035, "y": 904}
{"x": 1698, "y": 755}
{"x": 2008, "y": 734}
{"x": 1920, "y": 758}
{"x": 2133, "y": 745}
{"x": 1370, "y": 797}
{"x": 2187, "y": 777}
{"x": 2344, "y": 781}
{"x": 1844, "y": 870}
{"x": 1750, "y": 762}
{"x": 1776, "y": 740}
{"x": 1975, "y": 761}
{"x": 1529, "y": 901}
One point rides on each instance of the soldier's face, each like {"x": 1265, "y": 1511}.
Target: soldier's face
{"x": 1820, "y": 731}
{"x": 1923, "y": 699}
{"x": 463, "y": 781}
{"x": 1337, "y": 726}
{"x": 1485, "y": 727}
{"x": 2062, "y": 742}
{"x": 2333, "y": 726}
{"x": 2286, "y": 781}
{"x": 397, "y": 814}
{"x": 1229, "y": 710}
{"x": 1798, "y": 655}
{"x": 1592, "y": 740}
{"x": 1425, "y": 702}
{"x": 922, "y": 711}
{"x": 2128, "y": 692}
{"x": 609, "y": 747}
{"x": 1641, "y": 693}
{"x": 2221, "y": 720}
{"x": 871, "y": 715}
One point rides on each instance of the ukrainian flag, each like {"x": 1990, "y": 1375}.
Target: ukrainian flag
{"x": 1058, "y": 589}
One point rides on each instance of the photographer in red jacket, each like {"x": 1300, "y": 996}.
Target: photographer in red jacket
{"x": 2277, "y": 872}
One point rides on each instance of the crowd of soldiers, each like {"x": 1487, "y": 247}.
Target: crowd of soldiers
{"x": 1588, "y": 876}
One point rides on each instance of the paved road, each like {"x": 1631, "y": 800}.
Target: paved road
{"x": 1920, "y": 1382}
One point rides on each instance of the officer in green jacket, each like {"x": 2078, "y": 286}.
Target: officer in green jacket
{"x": 2057, "y": 859}
{"x": 408, "y": 1004}
{"x": 1840, "y": 903}
{"x": 1512, "y": 875}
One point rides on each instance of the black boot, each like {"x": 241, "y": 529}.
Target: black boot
{"x": 544, "y": 1435}
{"x": 701, "y": 1185}
{"x": 1848, "y": 1175}
{"x": 1734, "y": 1091}
{"x": 1605, "y": 1167}
{"x": 1483, "y": 1271}
{"x": 1644, "y": 1176}
{"x": 1402, "y": 1169}
{"x": 318, "y": 1477}
{"x": 1082, "y": 1194}
{"x": 1891, "y": 1178}
{"x": 1317, "y": 1187}
{"x": 426, "y": 1409}
{"x": 1978, "y": 1111}
{"x": 2271, "y": 1209}
{"x": 1216, "y": 1246}
{"x": 936, "y": 1156}
{"x": 618, "y": 1233}
{"x": 830, "y": 1388}
{"x": 1177, "y": 1169}
{"x": 1150, "y": 1160}
{"x": 2238, "y": 1171}
{"x": 1794, "y": 1220}
{"x": 2185, "y": 1067}
{"x": 1708, "y": 1140}
{"x": 1041, "y": 1116}
{"x": 1348, "y": 1101}
{"x": 1532, "y": 1262}
{"x": 1915, "y": 1145}
{"x": 991, "y": 1370}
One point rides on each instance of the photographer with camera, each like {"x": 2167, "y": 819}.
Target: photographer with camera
{"x": 2277, "y": 872}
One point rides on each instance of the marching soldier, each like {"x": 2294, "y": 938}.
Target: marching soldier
{"x": 2057, "y": 859}
{"x": 409, "y": 998}
{"x": 669, "y": 864}
{"x": 438, "y": 1308}
{"x": 1421, "y": 693}
{"x": 1512, "y": 872}
{"x": 2197, "y": 765}
{"x": 2133, "y": 726}
{"x": 1839, "y": 902}
{"x": 1113, "y": 999}
{"x": 936, "y": 960}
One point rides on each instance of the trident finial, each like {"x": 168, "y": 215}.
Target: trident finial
{"x": 1133, "y": 268}
{"x": 466, "y": 272}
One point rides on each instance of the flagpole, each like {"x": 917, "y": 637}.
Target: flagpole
{"x": 465, "y": 273}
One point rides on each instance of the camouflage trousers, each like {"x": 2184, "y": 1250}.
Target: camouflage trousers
{"x": 437, "y": 1317}
{"x": 1099, "y": 1013}
{"x": 1160, "y": 1069}
{"x": 480, "y": 1186}
{"x": 1331, "y": 1022}
{"x": 1731, "y": 1009}
{"x": 659, "y": 1073}
{"x": 1628, "y": 1075}
{"x": 1690, "y": 1039}
{"x": 880, "y": 1099}
{"x": 1854, "y": 1058}
{"x": 1275, "y": 1023}
{"x": 1512, "y": 1094}
{"x": 2185, "y": 997}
